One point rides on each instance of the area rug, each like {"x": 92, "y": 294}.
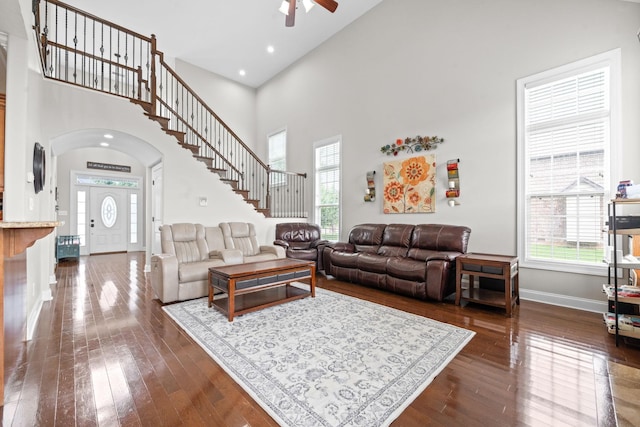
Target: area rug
{"x": 332, "y": 360}
{"x": 625, "y": 388}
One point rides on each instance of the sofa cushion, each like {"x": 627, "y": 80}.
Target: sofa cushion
{"x": 438, "y": 237}
{"x": 372, "y": 263}
{"x": 396, "y": 239}
{"x": 407, "y": 268}
{"x": 186, "y": 241}
{"x": 344, "y": 259}
{"x": 240, "y": 235}
{"x": 366, "y": 237}
{"x": 427, "y": 254}
{"x": 193, "y": 271}
{"x": 307, "y": 254}
{"x": 260, "y": 257}
{"x": 298, "y": 234}
{"x": 407, "y": 287}
{"x": 214, "y": 238}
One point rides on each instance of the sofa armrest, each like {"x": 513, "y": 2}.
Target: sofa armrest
{"x": 276, "y": 250}
{"x": 317, "y": 243}
{"x": 341, "y": 246}
{"x": 282, "y": 243}
{"x": 164, "y": 277}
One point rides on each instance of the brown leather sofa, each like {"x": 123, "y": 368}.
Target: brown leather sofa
{"x": 413, "y": 260}
{"x": 301, "y": 240}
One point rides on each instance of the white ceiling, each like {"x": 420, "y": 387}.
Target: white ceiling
{"x": 225, "y": 36}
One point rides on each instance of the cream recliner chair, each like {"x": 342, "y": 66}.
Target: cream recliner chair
{"x": 181, "y": 271}
{"x": 242, "y": 236}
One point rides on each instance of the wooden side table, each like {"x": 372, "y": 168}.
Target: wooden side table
{"x": 503, "y": 267}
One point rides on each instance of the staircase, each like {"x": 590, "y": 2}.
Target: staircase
{"x": 83, "y": 50}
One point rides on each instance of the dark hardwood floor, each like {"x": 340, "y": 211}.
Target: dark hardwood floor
{"x": 104, "y": 353}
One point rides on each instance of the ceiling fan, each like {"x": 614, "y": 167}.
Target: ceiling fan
{"x": 289, "y": 8}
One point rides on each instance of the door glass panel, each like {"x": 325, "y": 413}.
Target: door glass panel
{"x": 109, "y": 212}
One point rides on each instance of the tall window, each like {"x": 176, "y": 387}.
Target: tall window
{"x": 327, "y": 188}
{"x": 278, "y": 156}
{"x": 81, "y": 216}
{"x": 133, "y": 218}
{"x": 567, "y": 129}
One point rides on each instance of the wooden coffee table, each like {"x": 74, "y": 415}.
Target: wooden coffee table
{"x": 257, "y": 285}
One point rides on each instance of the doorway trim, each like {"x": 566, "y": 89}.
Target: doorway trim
{"x": 80, "y": 180}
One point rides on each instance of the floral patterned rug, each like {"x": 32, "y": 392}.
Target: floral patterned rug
{"x": 332, "y": 360}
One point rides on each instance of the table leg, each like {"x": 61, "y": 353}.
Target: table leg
{"x": 458, "y": 285}
{"x": 313, "y": 281}
{"x": 506, "y": 277}
{"x": 231, "y": 300}
{"x": 210, "y": 295}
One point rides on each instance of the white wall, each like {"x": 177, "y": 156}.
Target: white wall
{"x": 449, "y": 68}
{"x": 234, "y": 103}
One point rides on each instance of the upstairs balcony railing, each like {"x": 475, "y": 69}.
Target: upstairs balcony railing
{"x": 84, "y": 50}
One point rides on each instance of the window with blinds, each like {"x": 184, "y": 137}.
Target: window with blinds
{"x": 327, "y": 189}
{"x": 565, "y": 136}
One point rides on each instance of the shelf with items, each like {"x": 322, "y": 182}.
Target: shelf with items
{"x": 626, "y": 294}
{"x": 628, "y": 325}
{"x": 623, "y": 305}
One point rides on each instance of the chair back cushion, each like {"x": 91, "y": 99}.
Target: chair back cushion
{"x": 396, "y": 239}
{"x": 184, "y": 240}
{"x": 437, "y": 237}
{"x": 242, "y": 236}
{"x": 366, "y": 237}
{"x": 299, "y": 235}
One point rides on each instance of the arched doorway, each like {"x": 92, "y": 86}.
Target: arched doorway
{"x": 103, "y": 189}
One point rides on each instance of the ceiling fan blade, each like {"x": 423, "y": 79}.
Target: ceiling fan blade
{"x": 330, "y": 5}
{"x": 290, "y": 20}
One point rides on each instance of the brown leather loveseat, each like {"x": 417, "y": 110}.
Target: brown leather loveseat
{"x": 413, "y": 260}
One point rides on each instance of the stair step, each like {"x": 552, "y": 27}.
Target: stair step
{"x": 164, "y": 121}
{"x": 178, "y": 135}
{"x": 243, "y": 193}
{"x": 194, "y": 148}
{"x": 146, "y": 106}
{"x": 265, "y": 212}
{"x": 221, "y": 172}
{"x": 233, "y": 183}
{"x": 254, "y": 202}
{"x": 206, "y": 160}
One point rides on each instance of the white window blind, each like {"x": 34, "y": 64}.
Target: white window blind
{"x": 564, "y": 169}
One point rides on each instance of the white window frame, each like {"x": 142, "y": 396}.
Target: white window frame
{"x": 316, "y": 216}
{"x": 611, "y": 59}
{"x": 279, "y": 179}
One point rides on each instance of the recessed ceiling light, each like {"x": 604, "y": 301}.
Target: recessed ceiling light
{"x": 108, "y": 136}
{"x": 104, "y": 144}
{"x": 242, "y": 72}
{"x": 270, "y": 49}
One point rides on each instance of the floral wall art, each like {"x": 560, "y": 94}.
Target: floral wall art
{"x": 409, "y": 185}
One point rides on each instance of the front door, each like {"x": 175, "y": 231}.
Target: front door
{"x": 108, "y": 220}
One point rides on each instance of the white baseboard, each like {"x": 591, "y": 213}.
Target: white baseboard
{"x": 585, "y": 304}
{"x": 32, "y": 321}
{"x": 52, "y": 279}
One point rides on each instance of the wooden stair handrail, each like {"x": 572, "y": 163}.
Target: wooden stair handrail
{"x": 95, "y": 18}
{"x": 204, "y": 104}
{"x": 215, "y": 150}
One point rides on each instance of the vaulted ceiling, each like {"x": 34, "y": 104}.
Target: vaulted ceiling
{"x": 226, "y": 36}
